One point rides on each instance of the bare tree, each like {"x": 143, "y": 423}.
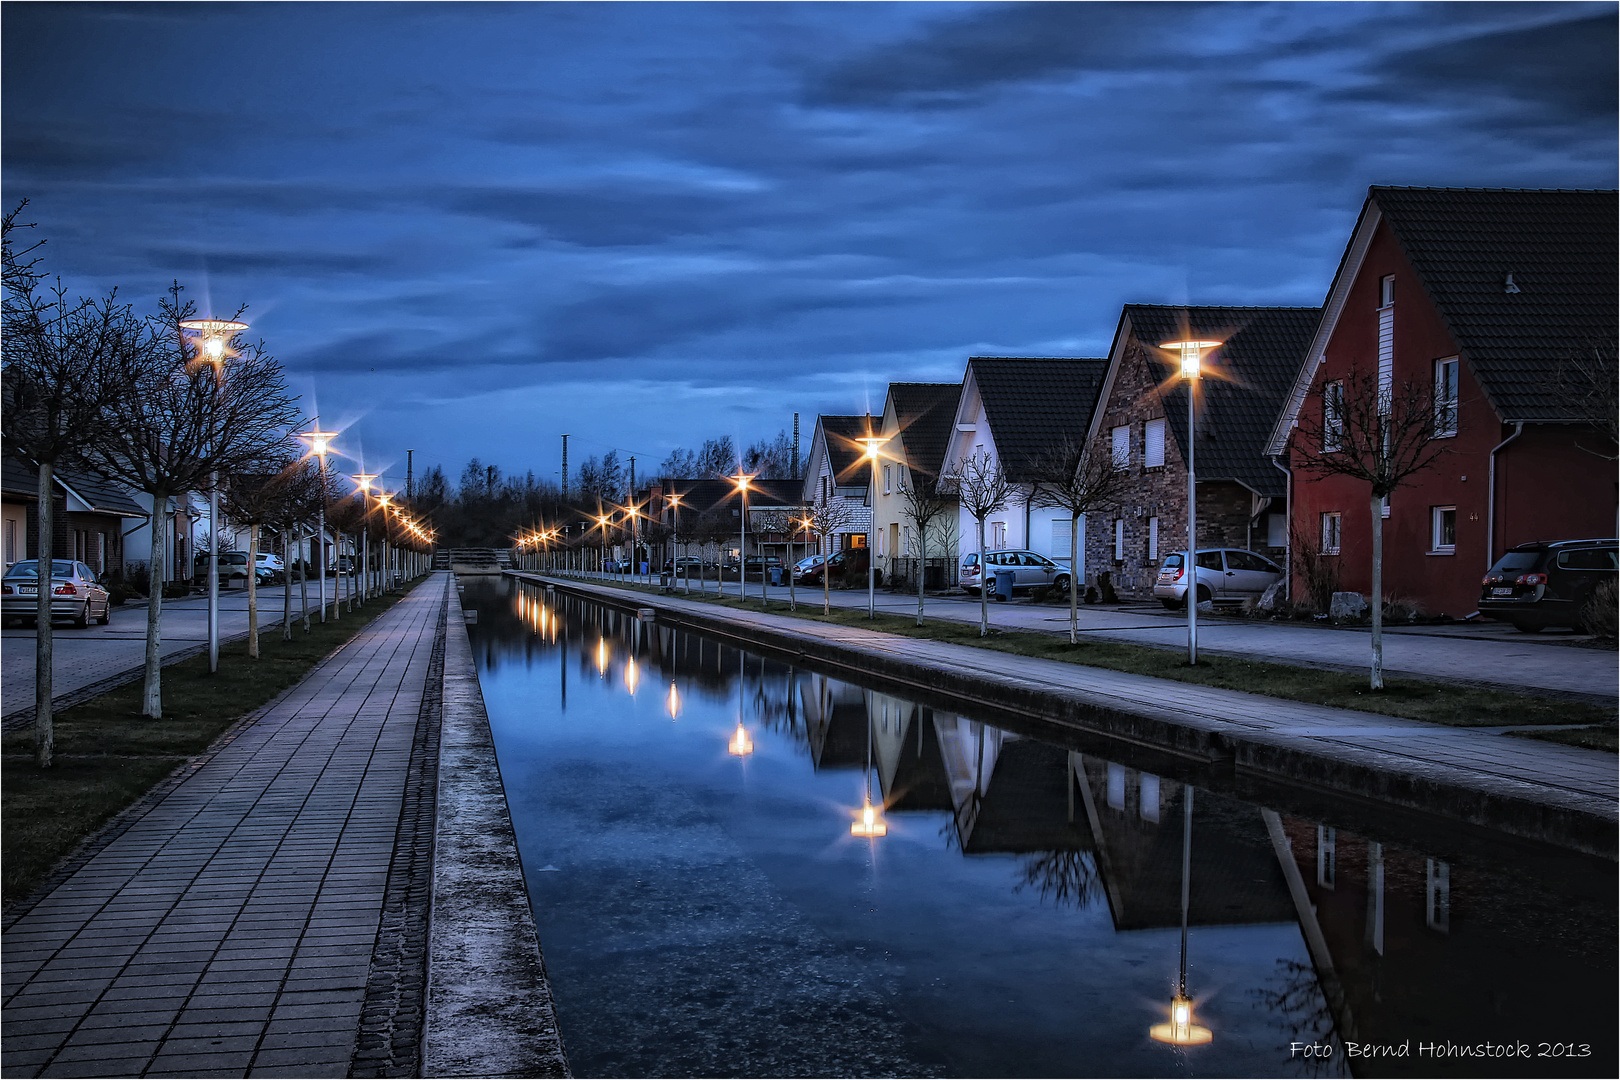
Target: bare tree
{"x": 65, "y": 362}
{"x": 298, "y": 494}
{"x": 253, "y": 498}
{"x": 922, "y": 502}
{"x": 827, "y": 515}
{"x": 182, "y": 424}
{"x": 765, "y": 522}
{"x": 981, "y": 487}
{"x": 1381, "y": 437}
{"x": 1067, "y": 477}
{"x": 1589, "y": 387}
{"x": 714, "y": 529}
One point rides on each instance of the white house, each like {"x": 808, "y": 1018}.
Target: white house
{"x": 839, "y": 473}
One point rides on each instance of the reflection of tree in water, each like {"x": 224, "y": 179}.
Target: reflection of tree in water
{"x": 1068, "y": 877}
{"x": 1300, "y": 1011}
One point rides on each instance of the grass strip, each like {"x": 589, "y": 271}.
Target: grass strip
{"x": 1596, "y": 737}
{"x": 108, "y": 755}
{"x": 1411, "y": 699}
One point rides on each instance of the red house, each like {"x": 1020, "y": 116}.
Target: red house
{"x": 1499, "y": 300}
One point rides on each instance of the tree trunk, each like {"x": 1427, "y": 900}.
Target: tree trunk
{"x": 826, "y": 580}
{"x": 44, "y": 726}
{"x": 1377, "y": 598}
{"x": 152, "y": 696}
{"x": 984, "y": 585}
{"x": 922, "y": 567}
{"x": 286, "y": 587}
{"x": 253, "y": 590}
{"x": 303, "y": 584}
{"x": 1074, "y": 579}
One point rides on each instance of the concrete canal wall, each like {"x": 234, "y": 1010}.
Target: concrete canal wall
{"x": 489, "y": 1004}
{"x": 1536, "y": 791}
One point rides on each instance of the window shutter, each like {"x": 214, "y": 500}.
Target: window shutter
{"x": 1153, "y": 538}
{"x": 1386, "y": 341}
{"x": 1062, "y": 534}
{"x": 1153, "y": 443}
{"x": 1119, "y": 539}
{"x": 1122, "y": 446}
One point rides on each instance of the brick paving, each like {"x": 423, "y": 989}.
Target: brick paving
{"x": 227, "y": 926}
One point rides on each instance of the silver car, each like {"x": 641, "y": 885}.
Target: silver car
{"x": 1225, "y": 576}
{"x": 1031, "y": 570}
{"x": 76, "y": 593}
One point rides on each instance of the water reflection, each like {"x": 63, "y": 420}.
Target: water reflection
{"x": 1024, "y": 914}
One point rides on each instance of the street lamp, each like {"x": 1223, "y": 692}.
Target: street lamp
{"x": 384, "y": 506}
{"x": 320, "y": 443}
{"x": 215, "y": 346}
{"x": 363, "y": 481}
{"x": 1192, "y": 353}
{"x": 674, "y": 501}
{"x": 741, "y": 479}
{"x": 872, "y": 442}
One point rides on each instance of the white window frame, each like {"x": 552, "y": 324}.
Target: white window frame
{"x": 886, "y": 479}
{"x": 1445, "y": 398}
{"x": 1386, "y": 340}
{"x": 1121, "y": 445}
{"x": 1153, "y": 538}
{"x": 1436, "y": 530}
{"x": 1153, "y": 444}
{"x": 1119, "y": 539}
{"x": 1332, "y": 534}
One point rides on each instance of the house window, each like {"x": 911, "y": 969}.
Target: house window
{"x": 1327, "y": 855}
{"x": 1149, "y": 795}
{"x": 823, "y": 487}
{"x": 906, "y": 536}
{"x": 1153, "y": 443}
{"x": 886, "y": 478}
{"x": 11, "y": 540}
{"x": 1116, "y": 786}
{"x": 1119, "y": 539}
{"x": 1276, "y": 530}
{"x": 1153, "y": 538}
{"x": 1332, "y": 417}
{"x": 1443, "y": 530}
{"x": 998, "y": 534}
{"x": 1062, "y": 536}
{"x": 1122, "y": 446}
{"x": 1386, "y": 340}
{"x": 1383, "y": 509}
{"x": 1330, "y": 533}
{"x": 1437, "y": 896}
{"x": 1445, "y": 398}
{"x": 900, "y": 477}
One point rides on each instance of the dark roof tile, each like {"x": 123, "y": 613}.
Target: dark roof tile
{"x": 1032, "y": 402}
{"x": 925, "y": 412}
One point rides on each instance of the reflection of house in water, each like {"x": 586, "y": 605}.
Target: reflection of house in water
{"x": 834, "y": 722}
{"x": 1136, "y": 820}
{"x": 1009, "y": 793}
{"x": 1416, "y": 947}
{"x": 907, "y": 754}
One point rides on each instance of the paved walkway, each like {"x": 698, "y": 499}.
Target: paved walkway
{"x": 1467, "y": 760}
{"x": 229, "y": 929}
{"x": 86, "y": 659}
{"x": 1479, "y": 651}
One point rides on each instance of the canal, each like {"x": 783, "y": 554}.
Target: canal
{"x": 709, "y": 906}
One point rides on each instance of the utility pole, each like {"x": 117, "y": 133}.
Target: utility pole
{"x": 795, "y": 472}
{"x": 565, "y": 467}
{"x": 410, "y": 486}
{"x": 635, "y": 563}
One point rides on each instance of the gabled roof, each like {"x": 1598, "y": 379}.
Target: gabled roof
{"x": 99, "y": 495}
{"x": 18, "y": 478}
{"x": 1032, "y": 402}
{"x": 843, "y": 451}
{"x": 1245, "y": 383}
{"x": 1559, "y": 245}
{"x": 924, "y": 412}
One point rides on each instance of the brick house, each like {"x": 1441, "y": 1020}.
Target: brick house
{"x": 1491, "y": 297}
{"x": 917, "y": 422}
{"x": 837, "y": 472}
{"x": 1142, "y": 424}
{"x": 1015, "y": 409}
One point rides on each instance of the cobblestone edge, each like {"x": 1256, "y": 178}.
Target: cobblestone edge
{"x": 389, "y": 1040}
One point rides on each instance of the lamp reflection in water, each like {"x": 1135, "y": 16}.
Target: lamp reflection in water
{"x": 1181, "y": 1031}
{"x": 741, "y": 745}
{"x": 601, "y": 656}
{"x": 632, "y": 676}
{"x": 870, "y": 824}
{"x": 673, "y": 702}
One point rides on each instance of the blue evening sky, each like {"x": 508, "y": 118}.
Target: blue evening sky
{"x": 469, "y": 228}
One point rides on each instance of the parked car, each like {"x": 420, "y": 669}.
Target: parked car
{"x": 842, "y": 564}
{"x": 1225, "y": 576}
{"x": 272, "y": 571}
{"x": 232, "y": 569}
{"x": 77, "y": 593}
{"x": 1031, "y": 570}
{"x": 1534, "y": 586}
{"x": 687, "y": 566}
{"x": 803, "y": 566}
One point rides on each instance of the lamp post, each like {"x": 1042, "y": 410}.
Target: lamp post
{"x": 1192, "y": 353}
{"x": 741, "y": 479}
{"x": 1181, "y": 1031}
{"x": 364, "y": 481}
{"x": 319, "y": 443}
{"x": 215, "y": 345}
{"x": 674, "y": 501}
{"x": 384, "y": 504}
{"x": 871, "y": 443}
{"x": 602, "y": 520}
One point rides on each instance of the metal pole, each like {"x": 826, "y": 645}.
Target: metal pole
{"x": 1192, "y": 533}
{"x": 1186, "y": 885}
{"x": 742, "y": 548}
{"x": 213, "y": 574}
{"x": 320, "y": 539}
{"x": 365, "y": 564}
{"x": 871, "y": 548}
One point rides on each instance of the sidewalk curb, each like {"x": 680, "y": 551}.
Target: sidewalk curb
{"x": 1537, "y": 812}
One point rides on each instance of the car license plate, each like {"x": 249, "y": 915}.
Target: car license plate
{"x": 1502, "y": 592}
{"x": 26, "y": 590}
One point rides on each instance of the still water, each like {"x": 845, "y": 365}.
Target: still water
{"x": 706, "y": 912}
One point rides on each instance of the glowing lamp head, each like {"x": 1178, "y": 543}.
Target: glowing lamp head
{"x": 320, "y": 442}
{"x": 740, "y": 744}
{"x": 215, "y": 348}
{"x": 1192, "y": 355}
{"x": 1181, "y": 1031}
{"x": 871, "y": 444}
